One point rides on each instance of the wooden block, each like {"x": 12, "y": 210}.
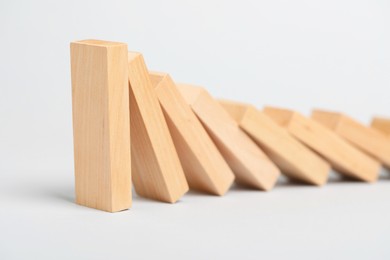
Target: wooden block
{"x": 292, "y": 157}
{"x": 363, "y": 137}
{"x": 157, "y": 173}
{"x": 343, "y": 157}
{"x": 250, "y": 165}
{"x": 381, "y": 124}
{"x": 203, "y": 165}
{"x": 101, "y": 124}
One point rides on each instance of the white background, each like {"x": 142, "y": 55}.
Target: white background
{"x": 295, "y": 54}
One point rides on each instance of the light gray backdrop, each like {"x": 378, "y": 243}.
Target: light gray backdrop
{"x": 295, "y": 54}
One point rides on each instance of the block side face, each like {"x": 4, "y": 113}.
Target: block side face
{"x": 250, "y": 165}
{"x": 91, "y": 126}
{"x": 190, "y": 93}
{"x": 234, "y": 109}
{"x": 381, "y": 124}
{"x": 293, "y": 158}
{"x": 204, "y": 167}
{"x": 119, "y": 127}
{"x": 366, "y": 139}
{"x": 156, "y": 130}
{"x": 281, "y": 116}
{"x": 327, "y": 119}
{"x": 341, "y": 155}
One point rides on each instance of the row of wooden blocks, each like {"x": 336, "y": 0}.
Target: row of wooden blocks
{"x": 136, "y": 126}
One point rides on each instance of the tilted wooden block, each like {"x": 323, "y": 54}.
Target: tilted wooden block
{"x": 343, "y": 157}
{"x": 363, "y": 137}
{"x": 203, "y": 165}
{"x": 157, "y": 172}
{"x": 101, "y": 124}
{"x": 292, "y": 157}
{"x": 250, "y": 165}
{"x": 381, "y": 124}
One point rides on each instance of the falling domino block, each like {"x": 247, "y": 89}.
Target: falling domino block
{"x": 381, "y": 124}
{"x": 363, "y": 137}
{"x": 344, "y": 157}
{"x": 203, "y": 165}
{"x": 292, "y": 157}
{"x": 250, "y": 165}
{"x": 157, "y": 172}
{"x": 101, "y": 124}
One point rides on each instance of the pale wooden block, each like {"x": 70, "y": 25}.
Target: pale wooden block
{"x": 343, "y": 157}
{"x": 381, "y": 124}
{"x": 250, "y": 165}
{"x": 292, "y": 157}
{"x": 363, "y": 137}
{"x": 101, "y": 124}
{"x": 157, "y": 172}
{"x": 203, "y": 165}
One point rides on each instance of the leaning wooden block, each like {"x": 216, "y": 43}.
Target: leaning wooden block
{"x": 101, "y": 124}
{"x": 344, "y": 157}
{"x": 203, "y": 165}
{"x": 250, "y": 165}
{"x": 381, "y": 124}
{"x": 292, "y": 157}
{"x": 363, "y": 137}
{"x": 157, "y": 173}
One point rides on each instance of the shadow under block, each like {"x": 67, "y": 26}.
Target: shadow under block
{"x": 381, "y": 124}
{"x": 203, "y": 165}
{"x": 249, "y": 164}
{"x": 292, "y": 157}
{"x": 101, "y": 124}
{"x": 343, "y": 157}
{"x": 157, "y": 172}
{"x": 369, "y": 140}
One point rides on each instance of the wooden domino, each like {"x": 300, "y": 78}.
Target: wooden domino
{"x": 101, "y": 124}
{"x": 157, "y": 172}
{"x": 381, "y": 124}
{"x": 344, "y": 157}
{"x": 363, "y": 137}
{"x": 250, "y": 165}
{"x": 292, "y": 157}
{"x": 204, "y": 167}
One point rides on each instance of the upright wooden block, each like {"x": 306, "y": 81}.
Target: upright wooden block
{"x": 381, "y": 124}
{"x": 157, "y": 172}
{"x": 292, "y": 157}
{"x": 363, "y": 137}
{"x": 101, "y": 124}
{"x": 250, "y": 165}
{"x": 203, "y": 165}
{"x": 344, "y": 157}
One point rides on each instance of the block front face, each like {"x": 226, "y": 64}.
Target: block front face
{"x": 344, "y": 157}
{"x": 157, "y": 172}
{"x": 203, "y": 165}
{"x": 363, "y": 137}
{"x": 250, "y": 165}
{"x": 293, "y": 158}
{"x": 101, "y": 125}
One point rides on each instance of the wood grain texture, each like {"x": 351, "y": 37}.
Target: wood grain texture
{"x": 101, "y": 124}
{"x": 369, "y": 140}
{"x": 294, "y": 159}
{"x": 249, "y": 164}
{"x": 381, "y": 124}
{"x": 157, "y": 172}
{"x": 343, "y": 157}
{"x": 203, "y": 165}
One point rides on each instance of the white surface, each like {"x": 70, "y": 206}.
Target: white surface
{"x": 343, "y": 220}
{"x": 297, "y": 54}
